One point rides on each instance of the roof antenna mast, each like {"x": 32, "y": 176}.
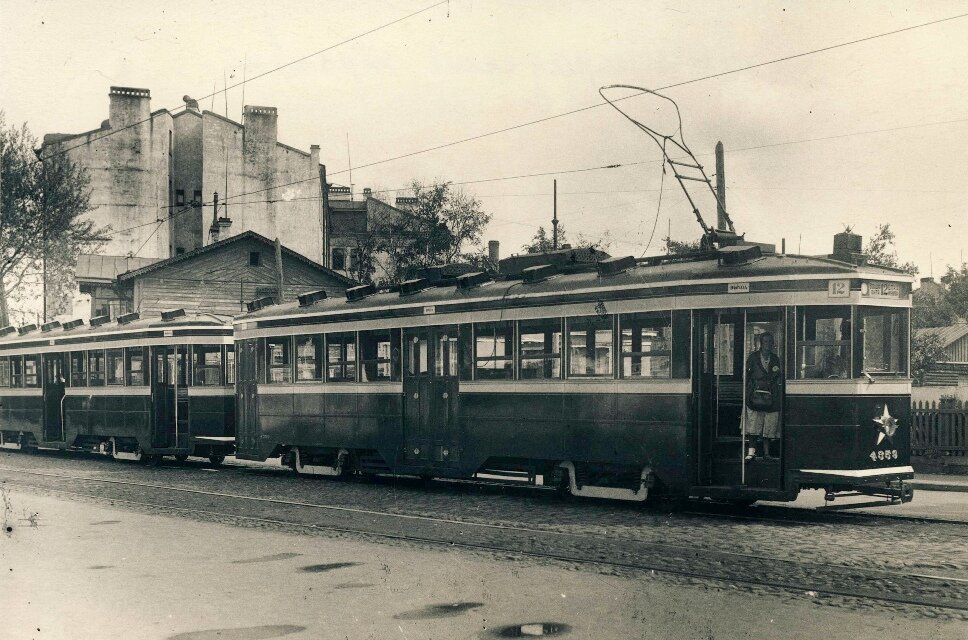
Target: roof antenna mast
{"x": 684, "y": 169}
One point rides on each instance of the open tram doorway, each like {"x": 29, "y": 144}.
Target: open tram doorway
{"x": 735, "y": 448}
{"x": 169, "y": 396}
{"x": 430, "y": 390}
{"x": 55, "y": 382}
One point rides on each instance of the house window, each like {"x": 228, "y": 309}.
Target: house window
{"x": 180, "y": 197}
{"x": 354, "y": 260}
{"x": 196, "y": 199}
{"x": 255, "y": 259}
{"x": 339, "y": 259}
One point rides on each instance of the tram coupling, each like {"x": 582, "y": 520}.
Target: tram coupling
{"x": 896, "y": 492}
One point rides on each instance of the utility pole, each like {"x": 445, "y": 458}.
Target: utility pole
{"x": 554, "y": 218}
{"x": 721, "y": 222}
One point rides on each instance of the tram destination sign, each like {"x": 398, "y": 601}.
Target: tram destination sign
{"x": 879, "y": 289}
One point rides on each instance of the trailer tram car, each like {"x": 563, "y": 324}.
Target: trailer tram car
{"x": 623, "y": 382}
{"x": 135, "y": 389}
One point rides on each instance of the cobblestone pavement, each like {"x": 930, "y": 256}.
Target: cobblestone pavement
{"x": 866, "y": 543}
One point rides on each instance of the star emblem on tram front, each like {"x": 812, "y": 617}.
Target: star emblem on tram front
{"x": 887, "y": 426}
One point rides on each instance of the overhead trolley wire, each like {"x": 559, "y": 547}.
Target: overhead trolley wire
{"x": 255, "y": 77}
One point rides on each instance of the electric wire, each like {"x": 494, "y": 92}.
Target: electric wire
{"x": 226, "y": 89}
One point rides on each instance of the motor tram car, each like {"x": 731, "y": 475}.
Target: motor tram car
{"x": 624, "y": 381}
{"x": 135, "y": 389}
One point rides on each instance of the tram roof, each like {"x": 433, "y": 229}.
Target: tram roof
{"x": 672, "y": 274}
{"x": 200, "y": 320}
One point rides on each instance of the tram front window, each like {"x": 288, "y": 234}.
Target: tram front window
{"x": 884, "y": 333}
{"x": 823, "y": 342}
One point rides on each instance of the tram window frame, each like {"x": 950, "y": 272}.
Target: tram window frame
{"x": 552, "y": 361}
{"x": 490, "y": 335}
{"x": 278, "y": 372}
{"x": 418, "y": 356}
{"x": 4, "y": 371}
{"x": 590, "y": 326}
{"x": 900, "y": 319}
{"x": 807, "y": 317}
{"x": 344, "y": 367}
{"x": 32, "y": 380}
{"x": 17, "y": 372}
{"x": 230, "y": 365}
{"x": 631, "y": 322}
{"x": 96, "y": 375}
{"x": 136, "y": 377}
{"x": 114, "y": 367}
{"x": 78, "y": 378}
{"x": 371, "y": 358}
{"x": 202, "y": 371}
{"x": 317, "y": 371}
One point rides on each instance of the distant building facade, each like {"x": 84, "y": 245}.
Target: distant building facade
{"x": 151, "y": 172}
{"x": 218, "y": 278}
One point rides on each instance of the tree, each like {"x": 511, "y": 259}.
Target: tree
{"x": 880, "y": 251}
{"x": 955, "y": 282}
{"x": 679, "y": 247}
{"x": 443, "y": 225}
{"x": 926, "y": 349}
{"x": 541, "y": 242}
{"x": 931, "y": 309}
{"x": 41, "y": 205}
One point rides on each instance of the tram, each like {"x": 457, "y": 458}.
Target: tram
{"x": 135, "y": 389}
{"x": 622, "y": 380}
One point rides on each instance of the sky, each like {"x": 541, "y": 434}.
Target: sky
{"x": 861, "y": 135}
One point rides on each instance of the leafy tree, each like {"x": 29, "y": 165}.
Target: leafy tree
{"x": 41, "y": 208}
{"x": 955, "y": 282}
{"x": 926, "y": 349}
{"x": 543, "y": 241}
{"x": 679, "y": 247}
{"x": 880, "y": 251}
{"x": 932, "y": 309}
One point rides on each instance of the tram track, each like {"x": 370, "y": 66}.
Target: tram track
{"x": 686, "y": 561}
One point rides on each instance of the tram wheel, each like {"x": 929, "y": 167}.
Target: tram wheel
{"x": 216, "y": 459}
{"x": 150, "y": 460}
{"x": 180, "y": 458}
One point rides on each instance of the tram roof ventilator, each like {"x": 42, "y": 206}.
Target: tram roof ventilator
{"x": 410, "y": 287}
{"x": 27, "y": 328}
{"x": 470, "y": 280}
{"x": 73, "y": 324}
{"x": 739, "y": 254}
{"x": 128, "y": 317}
{"x": 97, "y": 321}
{"x": 7, "y": 330}
{"x": 260, "y": 303}
{"x": 49, "y": 326}
{"x": 355, "y": 294}
{"x": 615, "y": 266}
{"x": 312, "y": 297}
{"x": 537, "y": 273}
{"x": 171, "y": 314}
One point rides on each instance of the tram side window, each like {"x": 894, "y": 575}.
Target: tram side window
{"x": 539, "y": 344}
{"x": 115, "y": 366}
{"x": 309, "y": 358}
{"x": 207, "y": 365}
{"x": 31, "y": 371}
{"x": 134, "y": 366}
{"x": 417, "y": 361}
{"x": 341, "y": 357}
{"x": 884, "y": 334}
{"x": 380, "y": 355}
{"x": 4, "y": 372}
{"x": 95, "y": 367}
{"x": 16, "y": 371}
{"x": 590, "y": 347}
{"x": 823, "y": 342}
{"x": 494, "y": 350}
{"x": 78, "y": 368}
{"x": 646, "y": 345}
{"x": 229, "y": 364}
{"x": 278, "y": 360}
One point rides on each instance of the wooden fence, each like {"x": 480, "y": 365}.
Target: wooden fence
{"x": 939, "y": 429}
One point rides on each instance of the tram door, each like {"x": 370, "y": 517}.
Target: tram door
{"x": 246, "y": 397}
{"x": 727, "y": 337}
{"x": 430, "y": 386}
{"x": 55, "y": 378}
{"x": 169, "y": 395}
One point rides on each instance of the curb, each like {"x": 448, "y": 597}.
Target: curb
{"x": 937, "y": 486}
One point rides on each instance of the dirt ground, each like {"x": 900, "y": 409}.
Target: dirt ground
{"x": 77, "y": 570}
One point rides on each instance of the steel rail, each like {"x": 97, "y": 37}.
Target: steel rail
{"x": 860, "y": 572}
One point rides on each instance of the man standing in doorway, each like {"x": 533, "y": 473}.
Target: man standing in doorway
{"x": 764, "y": 377}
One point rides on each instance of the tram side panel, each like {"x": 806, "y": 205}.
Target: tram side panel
{"x": 90, "y": 418}
{"x": 21, "y": 414}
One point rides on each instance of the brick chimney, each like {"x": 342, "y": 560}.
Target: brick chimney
{"x": 314, "y": 157}
{"x": 494, "y": 251}
{"x": 930, "y": 287}
{"x": 128, "y": 106}
{"x": 261, "y": 124}
{"x": 848, "y": 247}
